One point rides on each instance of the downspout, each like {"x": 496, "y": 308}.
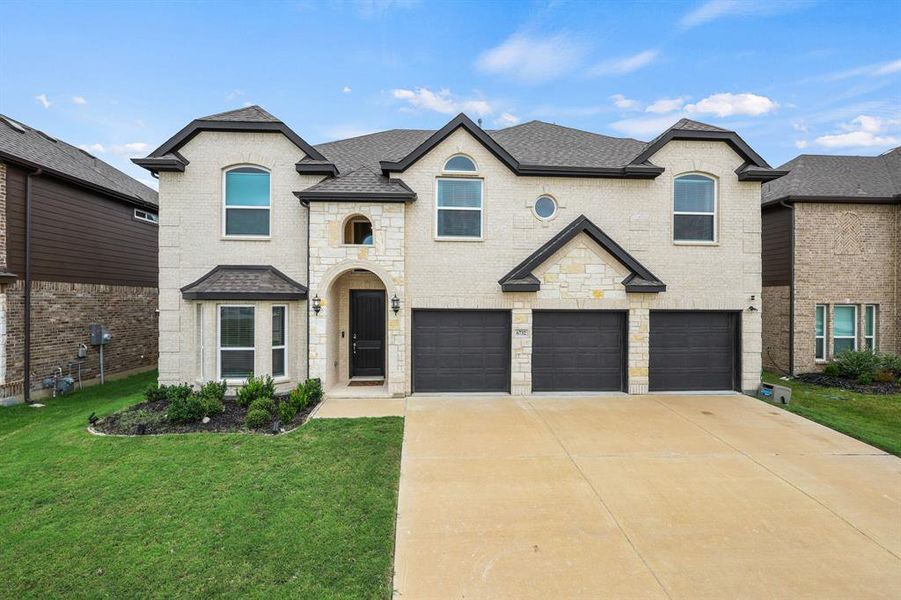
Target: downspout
{"x": 26, "y": 392}
{"x": 307, "y": 204}
{"x": 791, "y": 292}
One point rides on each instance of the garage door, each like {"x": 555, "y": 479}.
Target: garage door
{"x": 578, "y": 351}
{"x": 693, "y": 351}
{"x": 461, "y": 351}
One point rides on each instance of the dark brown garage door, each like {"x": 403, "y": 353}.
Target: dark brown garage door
{"x": 461, "y": 351}
{"x": 578, "y": 351}
{"x": 693, "y": 351}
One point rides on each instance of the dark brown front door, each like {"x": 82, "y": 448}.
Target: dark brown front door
{"x": 367, "y": 333}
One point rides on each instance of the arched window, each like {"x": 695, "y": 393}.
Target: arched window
{"x": 460, "y": 164}
{"x": 358, "y": 231}
{"x": 694, "y": 208}
{"x": 247, "y": 202}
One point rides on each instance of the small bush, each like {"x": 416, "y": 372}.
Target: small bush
{"x": 257, "y": 419}
{"x": 140, "y": 417}
{"x": 884, "y": 376}
{"x": 854, "y": 363}
{"x": 155, "y": 393}
{"x": 265, "y": 404}
{"x": 186, "y": 409}
{"x": 891, "y": 362}
{"x": 298, "y": 398}
{"x": 178, "y": 392}
{"x": 832, "y": 370}
{"x": 314, "y": 390}
{"x": 864, "y": 379}
{"x": 286, "y": 411}
{"x": 214, "y": 389}
{"x": 256, "y": 387}
{"x": 212, "y": 406}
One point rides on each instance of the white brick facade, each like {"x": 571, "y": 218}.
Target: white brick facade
{"x": 407, "y": 260}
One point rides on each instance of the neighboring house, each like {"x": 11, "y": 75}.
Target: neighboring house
{"x": 831, "y": 259}
{"x": 533, "y": 258}
{"x": 78, "y": 245}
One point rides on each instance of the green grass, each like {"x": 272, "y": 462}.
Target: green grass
{"x": 871, "y": 418}
{"x": 308, "y": 514}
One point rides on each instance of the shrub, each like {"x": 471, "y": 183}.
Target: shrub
{"x": 884, "y": 376}
{"x": 256, "y": 387}
{"x": 186, "y": 409}
{"x": 865, "y": 379}
{"x": 314, "y": 390}
{"x": 140, "y": 417}
{"x": 286, "y": 411}
{"x": 891, "y": 362}
{"x": 265, "y": 404}
{"x": 854, "y": 363}
{"x": 257, "y": 419}
{"x": 832, "y": 370}
{"x": 178, "y": 392}
{"x": 214, "y": 389}
{"x": 212, "y": 406}
{"x": 298, "y": 398}
{"x": 155, "y": 393}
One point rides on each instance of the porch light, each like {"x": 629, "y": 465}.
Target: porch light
{"x": 395, "y": 304}
{"x": 317, "y": 304}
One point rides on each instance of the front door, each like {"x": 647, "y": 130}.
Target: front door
{"x": 367, "y": 333}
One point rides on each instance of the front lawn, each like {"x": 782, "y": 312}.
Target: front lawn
{"x": 871, "y": 418}
{"x": 309, "y": 514}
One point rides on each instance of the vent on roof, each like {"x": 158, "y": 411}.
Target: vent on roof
{"x": 12, "y": 124}
{"x": 44, "y": 135}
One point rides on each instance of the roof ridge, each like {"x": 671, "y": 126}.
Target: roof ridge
{"x": 253, "y": 108}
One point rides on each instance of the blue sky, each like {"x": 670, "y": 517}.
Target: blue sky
{"x": 790, "y": 77}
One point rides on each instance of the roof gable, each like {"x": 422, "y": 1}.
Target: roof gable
{"x": 521, "y": 278}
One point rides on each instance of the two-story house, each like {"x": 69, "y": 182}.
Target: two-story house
{"x": 536, "y": 258}
{"x": 831, "y": 259}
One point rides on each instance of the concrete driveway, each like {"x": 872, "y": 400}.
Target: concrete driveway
{"x": 640, "y": 497}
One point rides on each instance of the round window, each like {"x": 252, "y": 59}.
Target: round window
{"x": 545, "y": 207}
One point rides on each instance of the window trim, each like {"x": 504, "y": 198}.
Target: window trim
{"x": 199, "y": 331}
{"x": 226, "y": 208}
{"x": 283, "y": 347}
{"x": 475, "y": 165}
{"x": 816, "y": 337}
{"x": 148, "y": 217}
{"x": 219, "y": 348}
{"x": 716, "y": 201}
{"x": 845, "y": 337}
{"x": 481, "y": 209}
{"x": 553, "y": 215}
{"x": 867, "y": 308}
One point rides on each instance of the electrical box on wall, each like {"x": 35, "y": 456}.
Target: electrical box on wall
{"x": 99, "y": 334}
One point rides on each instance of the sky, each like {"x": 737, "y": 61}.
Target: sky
{"x": 118, "y": 79}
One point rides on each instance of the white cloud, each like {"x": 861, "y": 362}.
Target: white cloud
{"x": 79, "y": 100}
{"x": 716, "y": 9}
{"x": 864, "y": 131}
{"x": 627, "y": 64}
{"x": 130, "y": 150}
{"x": 506, "y": 120}
{"x": 624, "y": 103}
{"x": 800, "y": 127}
{"x": 887, "y": 68}
{"x": 346, "y": 89}
{"x": 93, "y": 148}
{"x": 873, "y": 70}
{"x": 665, "y": 105}
{"x": 532, "y": 59}
{"x": 442, "y": 102}
{"x": 234, "y": 95}
{"x": 644, "y": 127}
{"x": 800, "y": 144}
{"x": 42, "y": 98}
{"x": 727, "y": 105}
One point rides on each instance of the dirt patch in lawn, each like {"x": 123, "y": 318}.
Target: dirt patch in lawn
{"x": 149, "y": 418}
{"x": 849, "y": 384}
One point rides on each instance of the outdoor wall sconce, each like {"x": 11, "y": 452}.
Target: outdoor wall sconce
{"x": 395, "y": 304}
{"x": 317, "y": 304}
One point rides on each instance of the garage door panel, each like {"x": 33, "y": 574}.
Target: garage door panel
{"x": 692, "y": 350}
{"x": 461, "y": 351}
{"x": 577, "y": 350}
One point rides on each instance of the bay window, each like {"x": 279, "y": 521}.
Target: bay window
{"x": 279, "y": 340}
{"x": 236, "y": 342}
{"x": 820, "y": 332}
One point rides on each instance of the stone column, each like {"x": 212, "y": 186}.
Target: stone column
{"x": 521, "y": 350}
{"x": 639, "y": 353}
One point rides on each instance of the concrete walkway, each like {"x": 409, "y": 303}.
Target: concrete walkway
{"x": 640, "y": 497}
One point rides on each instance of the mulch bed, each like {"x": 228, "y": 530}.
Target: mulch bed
{"x": 849, "y": 384}
{"x": 126, "y": 422}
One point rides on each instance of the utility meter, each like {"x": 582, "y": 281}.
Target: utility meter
{"x": 99, "y": 334}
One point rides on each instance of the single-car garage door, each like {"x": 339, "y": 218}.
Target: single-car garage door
{"x": 461, "y": 351}
{"x": 578, "y": 351}
{"x": 693, "y": 350}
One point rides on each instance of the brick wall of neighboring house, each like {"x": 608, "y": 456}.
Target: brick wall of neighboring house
{"x": 846, "y": 254}
{"x": 2, "y": 216}
{"x": 60, "y": 316}
{"x": 776, "y": 308}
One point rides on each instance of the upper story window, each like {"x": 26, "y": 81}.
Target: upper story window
{"x": 146, "y": 215}
{"x": 694, "y": 209}
{"x": 247, "y": 202}
{"x": 460, "y": 164}
{"x": 358, "y": 231}
{"x": 459, "y": 208}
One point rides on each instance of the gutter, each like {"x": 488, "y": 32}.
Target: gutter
{"x": 26, "y": 384}
{"x": 791, "y": 292}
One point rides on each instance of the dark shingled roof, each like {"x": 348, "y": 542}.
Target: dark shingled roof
{"x": 546, "y": 144}
{"x": 361, "y": 181}
{"x": 24, "y": 144}
{"x": 244, "y": 282}
{"x": 852, "y": 177}
{"x": 248, "y": 114}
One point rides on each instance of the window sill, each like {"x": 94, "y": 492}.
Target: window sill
{"x": 694, "y": 243}
{"x": 459, "y": 239}
{"x": 820, "y": 361}
{"x": 358, "y": 245}
{"x": 245, "y": 238}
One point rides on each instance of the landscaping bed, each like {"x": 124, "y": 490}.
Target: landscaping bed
{"x": 846, "y": 383}
{"x": 183, "y": 409}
